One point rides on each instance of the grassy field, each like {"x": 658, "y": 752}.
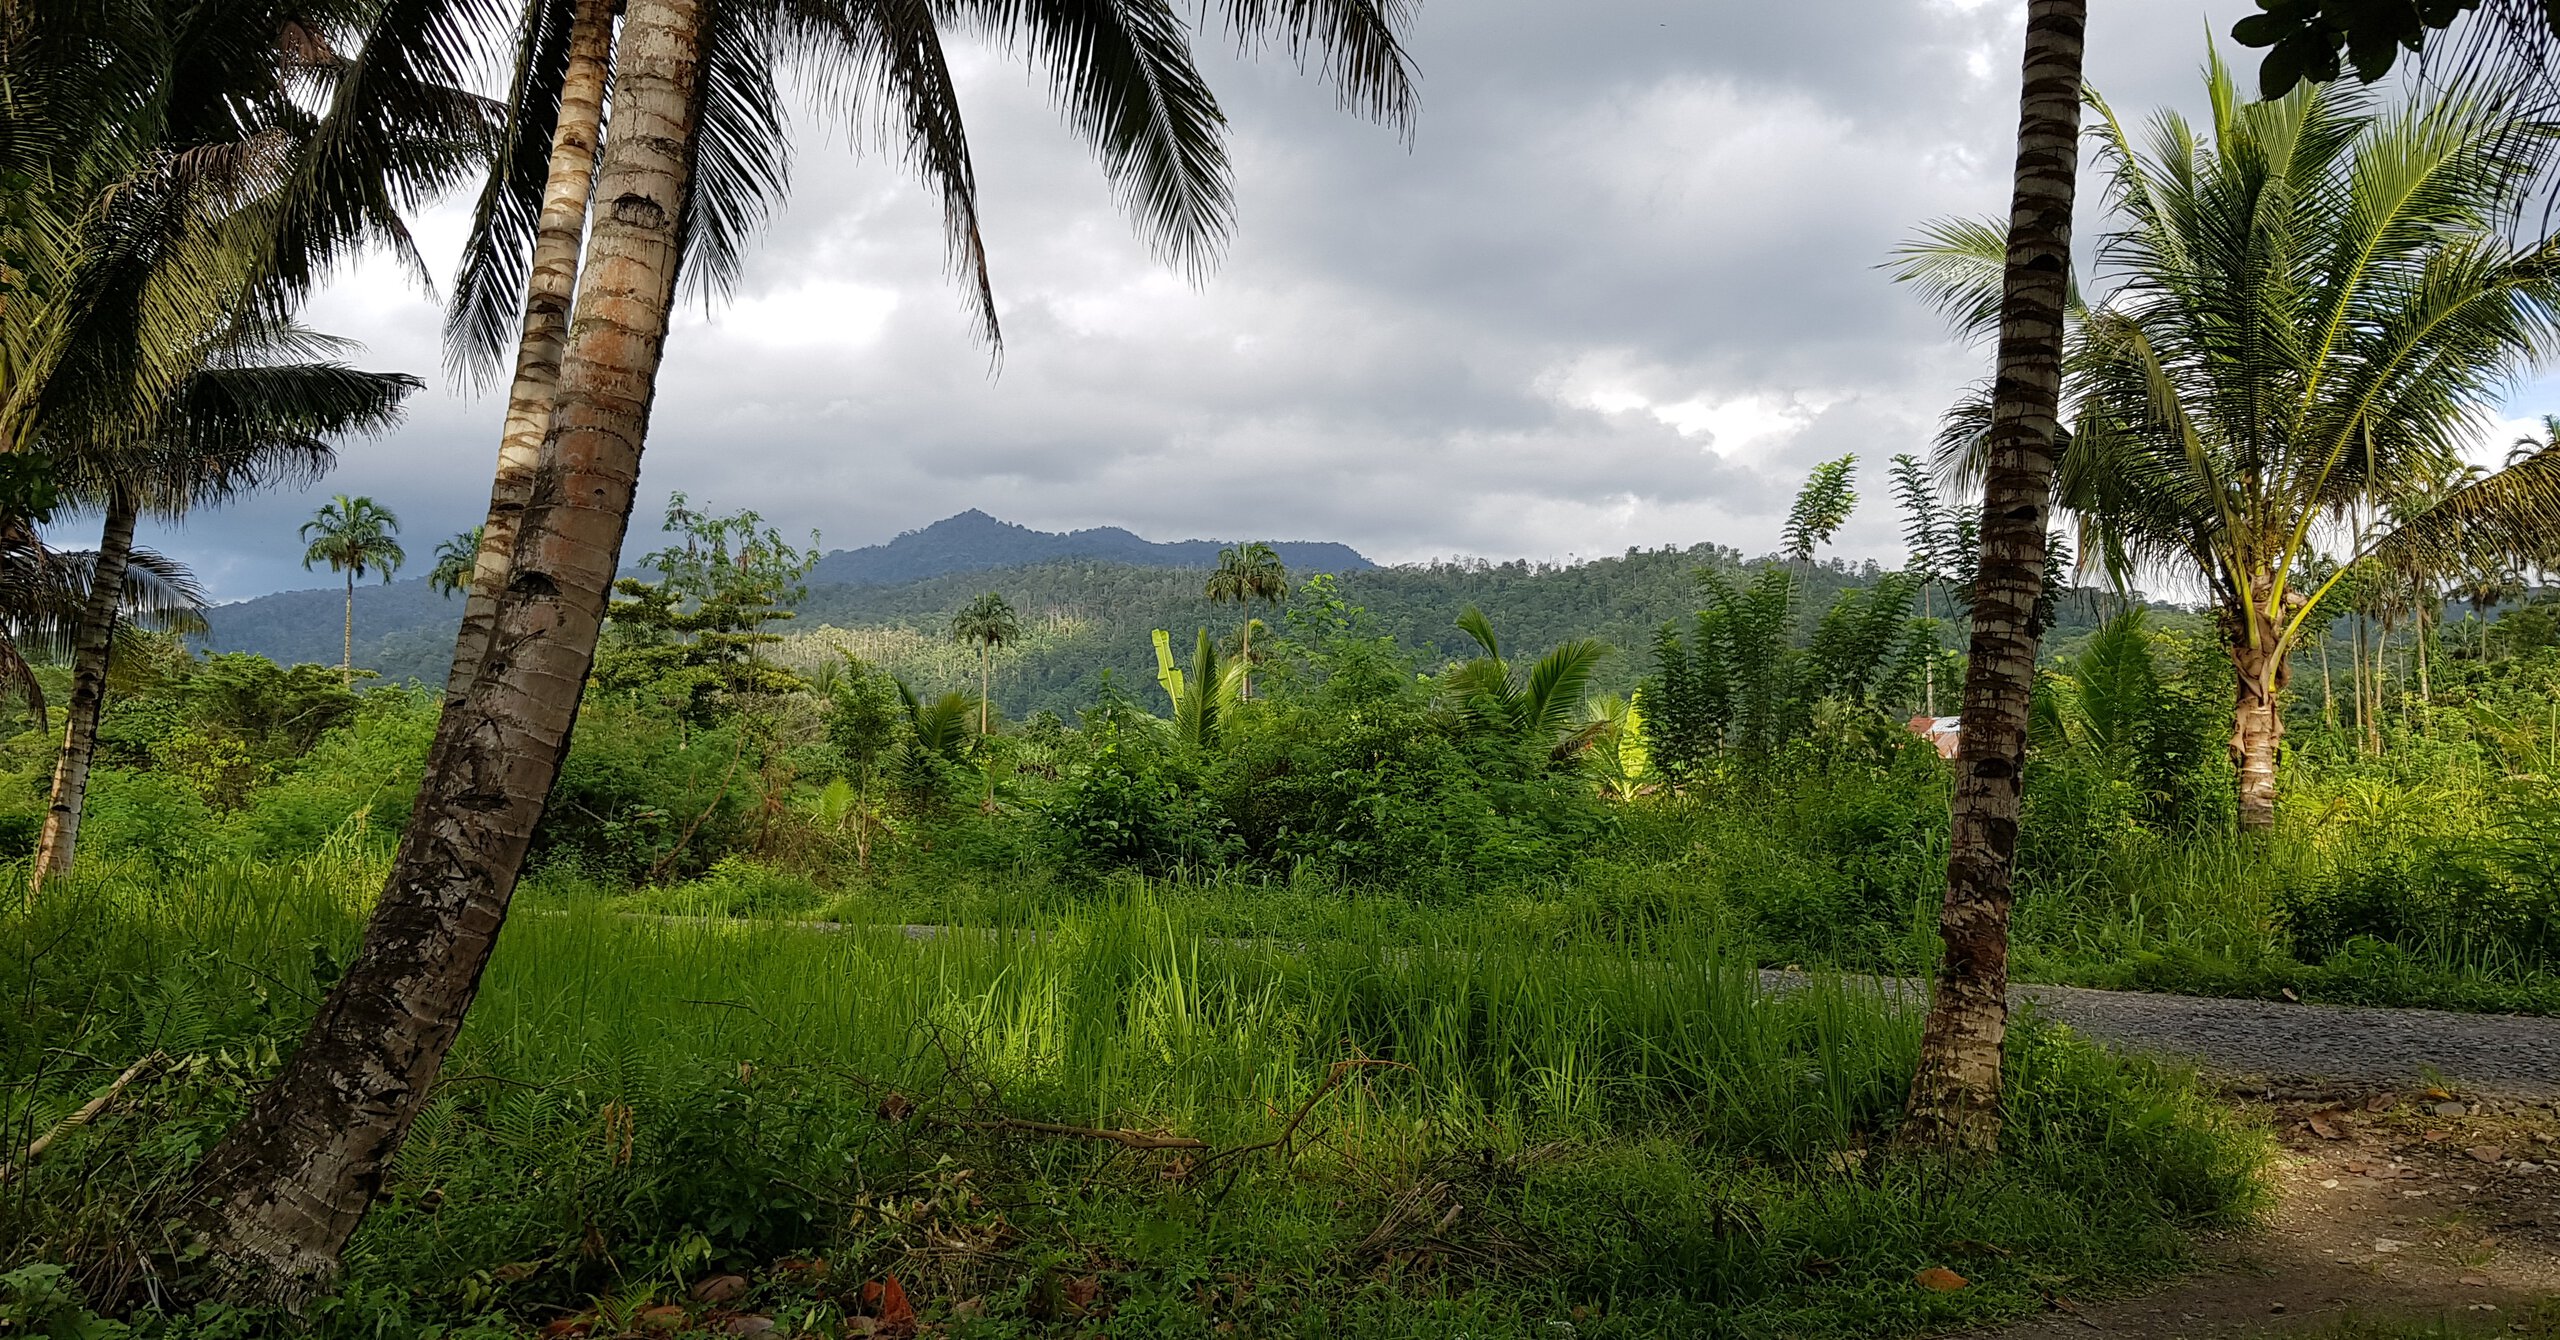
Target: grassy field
{"x": 1474, "y": 1127}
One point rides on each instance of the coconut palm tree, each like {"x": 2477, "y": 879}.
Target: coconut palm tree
{"x": 1247, "y": 573}
{"x": 986, "y": 623}
{"x": 455, "y": 560}
{"x": 1955, "y": 1089}
{"x": 278, "y": 1196}
{"x": 240, "y": 424}
{"x": 353, "y": 536}
{"x": 2315, "y": 307}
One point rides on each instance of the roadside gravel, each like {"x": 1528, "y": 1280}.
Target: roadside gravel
{"x": 2512, "y": 1055}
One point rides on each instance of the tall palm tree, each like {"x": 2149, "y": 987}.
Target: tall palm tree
{"x": 1247, "y": 573}
{"x": 986, "y": 623}
{"x": 353, "y": 536}
{"x": 456, "y": 559}
{"x": 278, "y": 1196}
{"x": 1955, "y": 1090}
{"x": 242, "y": 423}
{"x": 2315, "y": 307}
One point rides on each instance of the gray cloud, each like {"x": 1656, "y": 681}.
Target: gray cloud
{"x": 1620, "y": 288}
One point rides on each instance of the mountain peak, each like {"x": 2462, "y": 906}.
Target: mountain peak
{"x": 972, "y": 541}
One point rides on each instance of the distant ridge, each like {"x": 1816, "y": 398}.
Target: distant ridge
{"x": 974, "y": 541}
{"x": 405, "y": 630}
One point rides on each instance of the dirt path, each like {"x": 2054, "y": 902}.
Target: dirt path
{"x": 2392, "y": 1204}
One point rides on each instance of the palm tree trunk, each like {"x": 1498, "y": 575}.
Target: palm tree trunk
{"x": 1955, "y": 1090}
{"x": 558, "y": 232}
{"x": 2328, "y": 693}
{"x": 92, "y": 644}
{"x": 277, "y": 1198}
{"x": 2257, "y": 728}
{"x": 986, "y": 669}
{"x": 347, "y": 647}
{"x": 1245, "y": 692}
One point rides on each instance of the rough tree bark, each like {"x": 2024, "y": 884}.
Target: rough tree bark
{"x": 1955, "y": 1091}
{"x": 278, "y": 1197}
{"x": 91, "y": 645}
{"x": 559, "y": 233}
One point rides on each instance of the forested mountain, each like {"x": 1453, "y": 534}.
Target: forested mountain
{"x": 975, "y": 542}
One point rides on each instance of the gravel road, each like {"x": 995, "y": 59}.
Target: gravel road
{"x": 2515, "y": 1055}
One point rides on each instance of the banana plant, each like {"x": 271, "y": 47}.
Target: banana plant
{"x": 1204, "y": 697}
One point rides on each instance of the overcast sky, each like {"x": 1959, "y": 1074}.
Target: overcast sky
{"x": 1619, "y": 289}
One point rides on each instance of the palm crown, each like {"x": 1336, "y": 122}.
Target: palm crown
{"x": 2315, "y": 308}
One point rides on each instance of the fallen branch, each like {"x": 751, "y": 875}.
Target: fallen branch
{"x": 89, "y": 1112}
{"x": 1333, "y": 1077}
{"x": 1127, "y": 1139}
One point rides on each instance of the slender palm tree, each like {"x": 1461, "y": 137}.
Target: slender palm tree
{"x": 1955, "y": 1090}
{"x": 240, "y": 424}
{"x": 456, "y": 559}
{"x": 1247, "y": 573}
{"x": 353, "y": 536}
{"x": 2316, "y": 305}
{"x": 279, "y": 1195}
{"x": 986, "y": 623}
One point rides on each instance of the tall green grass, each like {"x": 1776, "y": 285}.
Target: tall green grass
{"x": 1531, "y": 1126}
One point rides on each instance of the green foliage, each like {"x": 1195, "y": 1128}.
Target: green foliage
{"x": 692, "y": 640}
{"x": 1821, "y": 507}
{"x": 1740, "y": 685}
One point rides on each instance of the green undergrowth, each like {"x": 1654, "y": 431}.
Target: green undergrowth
{"x": 1482, "y": 1128}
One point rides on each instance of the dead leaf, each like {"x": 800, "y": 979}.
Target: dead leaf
{"x": 887, "y": 1300}
{"x": 1940, "y": 1279}
{"x": 1079, "y": 1293}
{"x": 2436, "y": 1135}
{"x": 896, "y": 1107}
{"x": 2476, "y": 1281}
{"x": 2381, "y": 1102}
{"x": 859, "y": 1326}
{"x": 1846, "y": 1160}
{"x": 566, "y": 1327}
{"x": 2438, "y": 1094}
{"x": 2357, "y": 1166}
{"x": 2323, "y": 1125}
{"x": 720, "y": 1289}
{"x": 663, "y": 1317}
{"x": 2486, "y": 1153}
{"x": 516, "y": 1272}
{"x": 802, "y": 1267}
{"x": 2289, "y": 995}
